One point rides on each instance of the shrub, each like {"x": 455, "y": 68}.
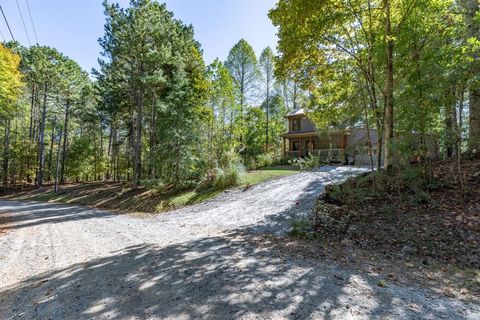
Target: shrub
{"x": 220, "y": 179}
{"x": 264, "y": 160}
{"x": 308, "y": 163}
{"x": 153, "y": 184}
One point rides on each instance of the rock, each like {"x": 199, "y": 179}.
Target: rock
{"x": 407, "y": 251}
{"x": 346, "y": 242}
{"x": 339, "y": 277}
{"x": 459, "y": 218}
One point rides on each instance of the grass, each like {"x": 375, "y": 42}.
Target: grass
{"x": 119, "y": 196}
{"x": 253, "y": 177}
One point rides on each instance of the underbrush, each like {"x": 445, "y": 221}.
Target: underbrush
{"x": 412, "y": 183}
{"x": 421, "y": 211}
{"x": 220, "y": 179}
{"x": 308, "y": 163}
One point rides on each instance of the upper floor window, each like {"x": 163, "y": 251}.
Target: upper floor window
{"x": 296, "y": 124}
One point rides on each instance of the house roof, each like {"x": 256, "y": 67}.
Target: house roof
{"x": 296, "y": 113}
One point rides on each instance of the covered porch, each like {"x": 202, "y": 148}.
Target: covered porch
{"x": 329, "y": 147}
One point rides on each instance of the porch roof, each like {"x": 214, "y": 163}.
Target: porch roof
{"x": 307, "y": 134}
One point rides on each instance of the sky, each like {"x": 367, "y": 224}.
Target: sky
{"x": 74, "y": 26}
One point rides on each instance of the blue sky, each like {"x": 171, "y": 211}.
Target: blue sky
{"x": 73, "y": 26}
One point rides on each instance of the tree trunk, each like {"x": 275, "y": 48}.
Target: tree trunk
{"x": 41, "y": 139}
{"x": 32, "y": 106}
{"x": 31, "y": 133}
{"x": 153, "y": 140}
{"x": 137, "y": 161}
{"x": 65, "y": 141}
{"x": 6, "y": 153}
{"x": 473, "y": 31}
{"x": 388, "y": 116}
{"x": 267, "y": 114}
{"x": 459, "y": 137}
{"x": 101, "y": 173}
{"x": 57, "y": 167}
{"x": 450, "y": 123}
{"x": 50, "y": 153}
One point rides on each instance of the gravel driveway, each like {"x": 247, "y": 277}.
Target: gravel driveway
{"x": 69, "y": 262}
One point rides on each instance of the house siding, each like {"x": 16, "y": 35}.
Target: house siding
{"x": 305, "y": 125}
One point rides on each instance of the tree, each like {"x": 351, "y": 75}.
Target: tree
{"x": 153, "y": 63}
{"x": 243, "y": 67}
{"x": 10, "y": 89}
{"x": 472, "y": 16}
{"x": 267, "y": 66}
{"x": 73, "y": 85}
{"x": 223, "y": 113}
{"x": 45, "y": 68}
{"x": 343, "y": 53}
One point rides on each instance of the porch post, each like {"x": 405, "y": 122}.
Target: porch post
{"x": 300, "y": 142}
{"x": 284, "y": 147}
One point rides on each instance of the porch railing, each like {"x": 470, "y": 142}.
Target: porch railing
{"x": 326, "y": 155}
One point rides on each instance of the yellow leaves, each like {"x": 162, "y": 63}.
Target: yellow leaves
{"x": 10, "y": 80}
{"x": 474, "y": 42}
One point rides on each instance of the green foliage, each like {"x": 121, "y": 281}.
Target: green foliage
{"x": 413, "y": 181}
{"x": 336, "y": 50}
{"x": 81, "y": 159}
{"x": 307, "y": 163}
{"x": 243, "y": 66}
{"x": 221, "y": 179}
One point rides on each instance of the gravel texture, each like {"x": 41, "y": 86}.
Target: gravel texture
{"x": 69, "y": 262}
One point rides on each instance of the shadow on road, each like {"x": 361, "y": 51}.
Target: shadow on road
{"x": 29, "y": 214}
{"x": 220, "y": 277}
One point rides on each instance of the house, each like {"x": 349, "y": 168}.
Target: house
{"x": 351, "y": 145}
{"x": 303, "y": 138}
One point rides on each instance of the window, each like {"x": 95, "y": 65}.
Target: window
{"x": 296, "y": 124}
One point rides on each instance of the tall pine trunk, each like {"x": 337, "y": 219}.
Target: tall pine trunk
{"x": 267, "y": 115}
{"x": 473, "y": 31}
{"x": 50, "y": 153}
{"x": 32, "y": 106}
{"x": 41, "y": 139}
{"x": 57, "y": 167}
{"x": 388, "y": 115}
{"x": 65, "y": 141}
{"x": 6, "y": 153}
{"x": 450, "y": 119}
{"x": 137, "y": 158}
{"x": 152, "y": 138}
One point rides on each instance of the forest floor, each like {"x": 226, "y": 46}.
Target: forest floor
{"x": 119, "y": 195}
{"x": 425, "y": 219}
{"x": 223, "y": 259}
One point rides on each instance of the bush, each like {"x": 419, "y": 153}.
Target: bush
{"x": 308, "y": 163}
{"x": 150, "y": 184}
{"x": 220, "y": 179}
{"x": 264, "y": 160}
{"x": 412, "y": 181}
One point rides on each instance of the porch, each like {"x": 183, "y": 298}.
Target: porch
{"x": 330, "y": 147}
{"x": 326, "y": 155}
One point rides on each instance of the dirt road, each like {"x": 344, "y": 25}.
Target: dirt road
{"x": 68, "y": 262}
